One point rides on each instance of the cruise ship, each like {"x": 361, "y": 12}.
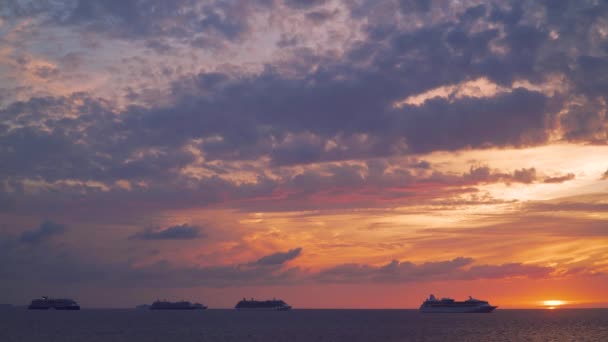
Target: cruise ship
{"x": 46, "y": 303}
{"x": 448, "y": 305}
{"x": 274, "y": 304}
{"x": 182, "y": 305}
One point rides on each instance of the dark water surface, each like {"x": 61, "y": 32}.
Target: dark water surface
{"x": 302, "y": 325}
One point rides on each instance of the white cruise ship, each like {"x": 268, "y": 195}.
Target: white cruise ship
{"x": 47, "y": 303}
{"x": 448, "y": 305}
{"x": 274, "y": 304}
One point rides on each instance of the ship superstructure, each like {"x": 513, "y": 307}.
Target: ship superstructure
{"x": 449, "y": 305}
{"x": 274, "y": 304}
{"x": 181, "y": 305}
{"x": 46, "y": 303}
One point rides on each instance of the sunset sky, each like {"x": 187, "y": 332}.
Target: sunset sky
{"x": 332, "y": 153}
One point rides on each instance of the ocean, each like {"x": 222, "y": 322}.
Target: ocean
{"x": 91, "y": 325}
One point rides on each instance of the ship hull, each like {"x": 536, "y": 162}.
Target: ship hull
{"x": 178, "y": 308}
{"x": 70, "y": 308}
{"x": 264, "y": 309}
{"x": 67, "y": 308}
{"x": 480, "y": 309}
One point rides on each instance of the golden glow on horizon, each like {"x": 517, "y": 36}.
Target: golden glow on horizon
{"x": 537, "y": 236}
{"x": 553, "y": 303}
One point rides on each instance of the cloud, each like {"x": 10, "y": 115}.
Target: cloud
{"x": 44, "y": 232}
{"x": 304, "y": 3}
{"x": 552, "y": 224}
{"x": 590, "y": 203}
{"x": 455, "y": 269}
{"x": 356, "y": 118}
{"x": 280, "y": 257}
{"x": 58, "y": 268}
{"x": 351, "y": 184}
{"x": 55, "y": 268}
{"x": 605, "y": 175}
{"x": 560, "y": 179}
{"x": 525, "y": 175}
{"x": 414, "y": 5}
{"x": 321, "y": 16}
{"x": 508, "y": 270}
{"x": 179, "y": 232}
{"x": 134, "y": 19}
{"x": 291, "y": 105}
{"x": 584, "y": 121}
{"x": 483, "y": 174}
{"x": 514, "y": 119}
{"x": 327, "y": 114}
{"x": 251, "y": 129}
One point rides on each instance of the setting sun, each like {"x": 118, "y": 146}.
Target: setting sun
{"x": 552, "y": 304}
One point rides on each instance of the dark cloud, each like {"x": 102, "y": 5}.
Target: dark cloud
{"x": 584, "y": 121}
{"x": 560, "y": 179}
{"x": 377, "y": 182}
{"x": 287, "y": 41}
{"x": 304, "y": 3}
{"x": 483, "y": 174}
{"x": 456, "y": 269}
{"x": 590, "y": 71}
{"x": 45, "y": 231}
{"x": 515, "y": 119}
{"x": 423, "y": 164}
{"x": 46, "y": 72}
{"x": 54, "y": 269}
{"x": 182, "y": 20}
{"x": 139, "y": 143}
{"x": 179, "y": 232}
{"x": 605, "y": 175}
{"x": 340, "y": 110}
{"x": 280, "y": 257}
{"x": 159, "y": 46}
{"x": 321, "y": 16}
{"x": 414, "y": 5}
{"x": 72, "y": 60}
{"x": 525, "y": 175}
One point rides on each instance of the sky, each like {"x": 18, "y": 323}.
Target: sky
{"x": 335, "y": 154}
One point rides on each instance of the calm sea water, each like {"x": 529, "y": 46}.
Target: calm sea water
{"x": 302, "y": 325}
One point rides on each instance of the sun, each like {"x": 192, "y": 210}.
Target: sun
{"x": 553, "y": 303}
